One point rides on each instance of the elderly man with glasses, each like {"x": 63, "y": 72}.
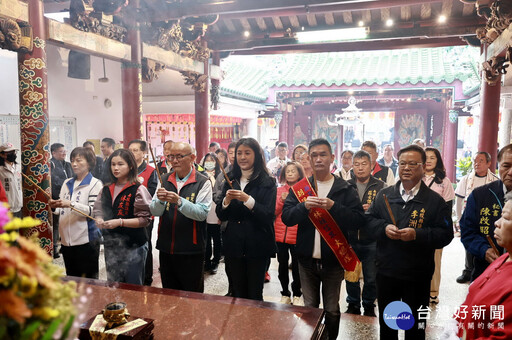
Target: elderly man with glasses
{"x": 183, "y": 204}
{"x": 408, "y": 229}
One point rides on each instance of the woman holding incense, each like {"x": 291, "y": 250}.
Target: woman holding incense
{"x": 79, "y": 235}
{"x": 122, "y": 210}
{"x": 248, "y": 203}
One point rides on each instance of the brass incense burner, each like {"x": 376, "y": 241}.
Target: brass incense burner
{"x": 116, "y": 314}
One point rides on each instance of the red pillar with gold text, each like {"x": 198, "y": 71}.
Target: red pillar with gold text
{"x": 203, "y": 115}
{"x": 35, "y": 134}
{"x": 131, "y": 77}
{"x": 489, "y": 119}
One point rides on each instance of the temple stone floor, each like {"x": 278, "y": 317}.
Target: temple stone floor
{"x": 352, "y": 327}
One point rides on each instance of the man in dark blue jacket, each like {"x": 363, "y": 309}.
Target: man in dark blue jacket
{"x": 406, "y": 245}
{"x": 483, "y": 208}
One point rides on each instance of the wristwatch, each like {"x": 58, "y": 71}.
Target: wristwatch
{"x": 72, "y": 204}
{"x": 179, "y": 202}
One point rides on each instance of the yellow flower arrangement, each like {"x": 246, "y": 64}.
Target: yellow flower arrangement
{"x": 35, "y": 302}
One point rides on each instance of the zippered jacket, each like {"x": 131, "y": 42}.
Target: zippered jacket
{"x": 74, "y": 228}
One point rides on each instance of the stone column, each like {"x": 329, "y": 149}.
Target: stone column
{"x": 132, "y": 84}
{"x": 202, "y": 114}
{"x": 34, "y": 121}
{"x": 489, "y": 116}
{"x": 506, "y": 119}
{"x": 291, "y": 126}
{"x": 450, "y": 140}
{"x": 252, "y": 127}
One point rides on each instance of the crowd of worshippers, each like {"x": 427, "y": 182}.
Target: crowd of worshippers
{"x": 395, "y": 213}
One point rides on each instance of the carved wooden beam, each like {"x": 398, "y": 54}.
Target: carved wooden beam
{"x": 176, "y": 62}
{"x": 69, "y": 37}
{"x": 14, "y": 9}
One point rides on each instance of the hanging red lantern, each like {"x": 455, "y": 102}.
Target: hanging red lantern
{"x": 382, "y": 115}
{"x": 260, "y": 121}
{"x": 272, "y": 123}
{"x": 470, "y": 121}
{"x": 371, "y": 115}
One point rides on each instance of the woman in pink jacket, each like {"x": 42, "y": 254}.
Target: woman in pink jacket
{"x": 286, "y": 236}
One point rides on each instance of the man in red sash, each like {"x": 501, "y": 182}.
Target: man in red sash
{"x": 147, "y": 176}
{"x": 318, "y": 263}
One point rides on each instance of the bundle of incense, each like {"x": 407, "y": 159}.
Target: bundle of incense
{"x": 388, "y": 207}
{"x": 493, "y": 246}
{"x": 154, "y": 161}
{"x": 224, "y": 172}
{"x": 49, "y": 197}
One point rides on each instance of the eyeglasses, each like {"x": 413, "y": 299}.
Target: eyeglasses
{"x": 177, "y": 157}
{"x": 411, "y": 165}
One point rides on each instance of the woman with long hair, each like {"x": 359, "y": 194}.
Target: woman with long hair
{"x": 122, "y": 211}
{"x": 222, "y": 155}
{"x": 79, "y": 235}
{"x": 212, "y": 169}
{"x": 435, "y": 178}
{"x": 286, "y": 237}
{"x": 249, "y": 208}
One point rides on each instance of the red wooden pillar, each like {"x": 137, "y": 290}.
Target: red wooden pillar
{"x": 450, "y": 139}
{"x": 132, "y": 84}
{"x": 489, "y": 118}
{"x": 291, "y": 128}
{"x": 202, "y": 115}
{"x": 35, "y": 135}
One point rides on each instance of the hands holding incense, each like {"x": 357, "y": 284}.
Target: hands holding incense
{"x": 316, "y": 202}
{"x": 167, "y": 196}
{"x": 59, "y": 203}
{"x": 233, "y": 194}
{"x": 406, "y": 234}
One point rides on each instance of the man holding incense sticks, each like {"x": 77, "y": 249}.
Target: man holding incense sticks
{"x": 183, "y": 201}
{"x": 325, "y": 207}
{"x": 483, "y": 208}
{"x": 410, "y": 222}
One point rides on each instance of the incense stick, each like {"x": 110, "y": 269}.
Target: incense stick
{"x": 493, "y": 246}
{"x": 49, "y": 197}
{"x": 388, "y": 207}
{"x": 224, "y": 172}
{"x": 154, "y": 161}
{"x": 37, "y": 186}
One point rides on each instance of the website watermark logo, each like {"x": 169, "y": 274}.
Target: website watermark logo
{"x": 398, "y": 316}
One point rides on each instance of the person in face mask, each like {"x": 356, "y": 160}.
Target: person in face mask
{"x": 11, "y": 178}
{"x": 212, "y": 169}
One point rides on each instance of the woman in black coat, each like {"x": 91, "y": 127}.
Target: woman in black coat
{"x": 249, "y": 209}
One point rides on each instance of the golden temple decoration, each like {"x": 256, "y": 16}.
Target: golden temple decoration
{"x": 196, "y": 80}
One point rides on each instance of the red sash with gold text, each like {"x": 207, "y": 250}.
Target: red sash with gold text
{"x": 328, "y": 228}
